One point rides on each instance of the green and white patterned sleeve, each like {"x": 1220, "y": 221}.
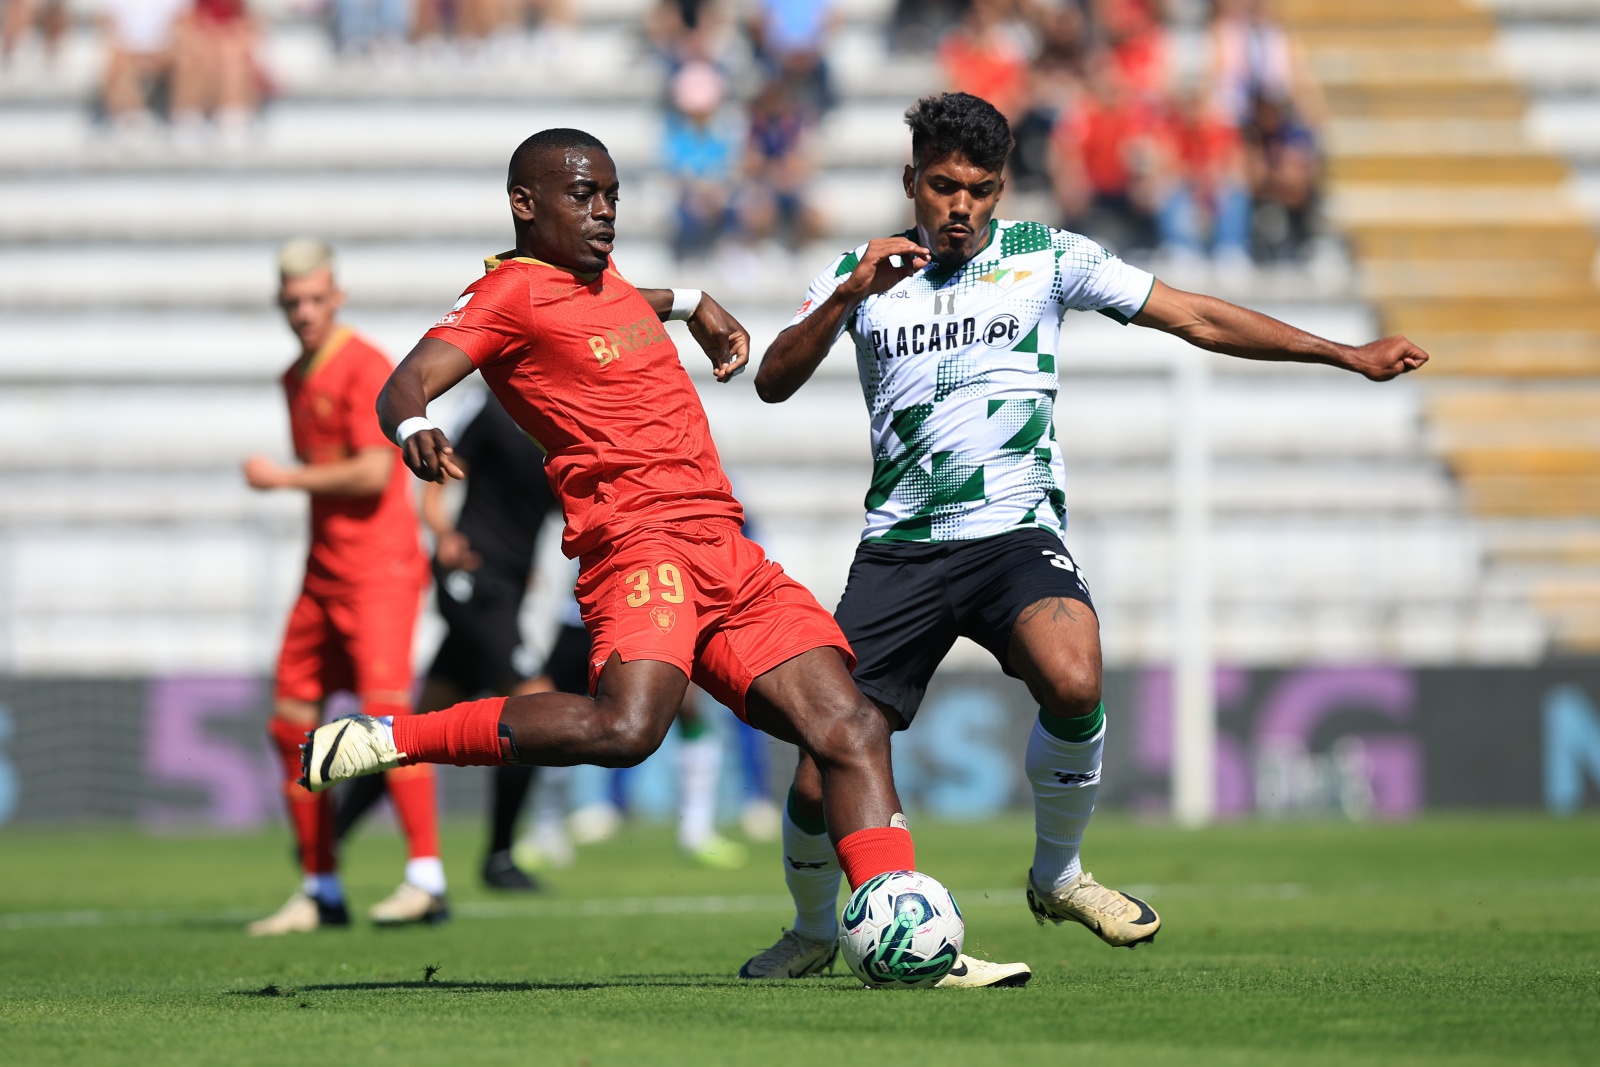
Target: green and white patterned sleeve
{"x": 1088, "y": 278}
{"x": 823, "y": 285}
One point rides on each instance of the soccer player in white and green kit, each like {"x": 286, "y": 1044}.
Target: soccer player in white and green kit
{"x": 956, "y": 325}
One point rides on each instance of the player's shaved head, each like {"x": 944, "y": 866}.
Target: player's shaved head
{"x": 559, "y": 139}
{"x": 948, "y": 124}
{"x": 563, "y": 188}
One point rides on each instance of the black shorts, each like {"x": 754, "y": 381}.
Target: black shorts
{"x": 568, "y": 662}
{"x": 906, "y": 603}
{"x": 482, "y": 654}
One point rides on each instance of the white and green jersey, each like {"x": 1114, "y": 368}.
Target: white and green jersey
{"x": 959, "y": 371}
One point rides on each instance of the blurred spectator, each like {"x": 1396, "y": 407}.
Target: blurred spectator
{"x": 49, "y": 16}
{"x": 368, "y": 25}
{"x": 214, "y": 70}
{"x": 1283, "y": 170}
{"x": 1252, "y": 57}
{"x": 919, "y": 25}
{"x": 1054, "y": 81}
{"x": 700, "y": 151}
{"x": 791, "y": 39}
{"x": 1259, "y": 82}
{"x": 476, "y": 22}
{"x": 685, "y": 30}
{"x": 778, "y": 168}
{"x": 1106, "y": 173}
{"x": 987, "y": 55}
{"x": 1204, "y": 198}
{"x": 1138, "y": 45}
{"x": 139, "y": 46}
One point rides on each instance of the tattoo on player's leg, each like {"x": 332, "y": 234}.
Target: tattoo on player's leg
{"x": 1056, "y": 609}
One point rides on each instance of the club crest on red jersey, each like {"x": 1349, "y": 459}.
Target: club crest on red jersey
{"x": 664, "y": 618}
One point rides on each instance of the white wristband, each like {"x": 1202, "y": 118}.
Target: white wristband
{"x": 684, "y": 304}
{"x": 409, "y": 427}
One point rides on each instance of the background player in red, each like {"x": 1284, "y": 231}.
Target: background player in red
{"x": 351, "y": 628}
{"x": 669, "y": 587}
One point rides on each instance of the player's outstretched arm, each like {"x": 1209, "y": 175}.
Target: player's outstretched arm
{"x": 1218, "y": 326}
{"x": 794, "y": 356}
{"x": 427, "y": 372}
{"x": 718, "y": 333}
{"x": 364, "y": 474}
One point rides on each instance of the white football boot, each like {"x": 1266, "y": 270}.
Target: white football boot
{"x": 972, "y": 973}
{"x": 300, "y": 914}
{"x": 794, "y": 956}
{"x": 1120, "y": 920}
{"x": 350, "y": 747}
{"x": 410, "y": 904}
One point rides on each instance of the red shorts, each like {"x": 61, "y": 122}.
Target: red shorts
{"x": 357, "y": 639}
{"x": 705, "y": 598}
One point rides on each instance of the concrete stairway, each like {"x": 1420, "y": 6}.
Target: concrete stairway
{"x": 1472, "y": 240}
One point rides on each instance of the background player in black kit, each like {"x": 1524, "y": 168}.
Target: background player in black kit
{"x": 481, "y": 566}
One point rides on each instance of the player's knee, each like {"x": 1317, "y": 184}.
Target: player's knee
{"x": 847, "y": 730}
{"x": 1071, "y": 689}
{"x": 628, "y": 736}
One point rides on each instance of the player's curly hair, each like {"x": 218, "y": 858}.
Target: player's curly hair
{"x": 557, "y": 137}
{"x": 947, "y": 123}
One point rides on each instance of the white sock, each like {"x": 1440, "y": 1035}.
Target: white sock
{"x": 699, "y": 766}
{"x": 323, "y": 888}
{"x": 1065, "y": 777}
{"x": 811, "y": 867}
{"x": 426, "y": 872}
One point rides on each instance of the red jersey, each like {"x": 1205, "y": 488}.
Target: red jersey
{"x": 585, "y": 367}
{"x": 332, "y": 416}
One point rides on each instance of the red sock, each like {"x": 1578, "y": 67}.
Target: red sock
{"x": 311, "y": 813}
{"x": 411, "y": 791}
{"x": 467, "y": 735}
{"x": 868, "y": 853}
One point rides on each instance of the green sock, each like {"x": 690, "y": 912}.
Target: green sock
{"x": 689, "y": 729}
{"x": 803, "y": 823}
{"x": 1074, "y": 730}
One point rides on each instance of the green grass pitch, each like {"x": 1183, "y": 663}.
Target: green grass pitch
{"x": 1448, "y": 941}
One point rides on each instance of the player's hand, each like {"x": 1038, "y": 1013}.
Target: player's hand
{"x": 430, "y": 457}
{"x": 261, "y": 473}
{"x": 454, "y": 552}
{"x": 722, "y": 338}
{"x": 876, "y": 273}
{"x": 1386, "y": 358}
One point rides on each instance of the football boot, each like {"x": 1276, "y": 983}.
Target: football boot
{"x": 300, "y": 914}
{"x": 794, "y": 956}
{"x": 1120, "y": 920}
{"x": 346, "y": 748}
{"x": 972, "y": 973}
{"x": 409, "y": 904}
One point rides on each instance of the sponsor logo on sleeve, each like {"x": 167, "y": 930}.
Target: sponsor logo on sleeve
{"x": 803, "y": 308}
{"x": 453, "y": 316}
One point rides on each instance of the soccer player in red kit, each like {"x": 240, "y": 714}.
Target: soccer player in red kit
{"x": 669, "y": 586}
{"x": 351, "y": 627}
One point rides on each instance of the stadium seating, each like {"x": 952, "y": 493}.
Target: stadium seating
{"x": 139, "y": 353}
{"x": 1451, "y": 168}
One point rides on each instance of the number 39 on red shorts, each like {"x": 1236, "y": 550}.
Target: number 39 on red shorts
{"x": 656, "y": 589}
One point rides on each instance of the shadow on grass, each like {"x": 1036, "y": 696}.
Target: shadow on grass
{"x": 620, "y": 981}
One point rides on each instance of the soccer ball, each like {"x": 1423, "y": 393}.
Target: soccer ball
{"x": 901, "y": 930}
